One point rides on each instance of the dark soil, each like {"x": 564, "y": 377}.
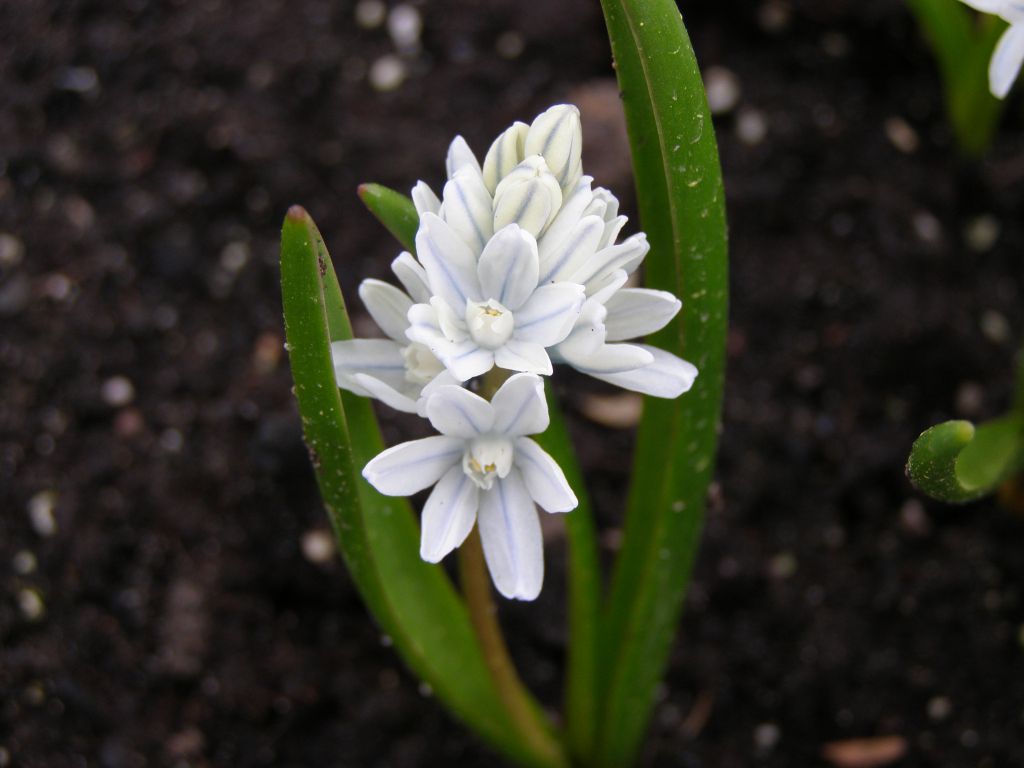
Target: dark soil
{"x": 148, "y": 152}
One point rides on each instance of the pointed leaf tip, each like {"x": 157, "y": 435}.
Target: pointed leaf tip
{"x": 298, "y": 213}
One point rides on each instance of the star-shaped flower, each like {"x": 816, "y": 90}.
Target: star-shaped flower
{"x": 486, "y": 471}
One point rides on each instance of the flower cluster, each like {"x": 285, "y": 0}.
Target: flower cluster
{"x": 1009, "y": 53}
{"x": 518, "y": 266}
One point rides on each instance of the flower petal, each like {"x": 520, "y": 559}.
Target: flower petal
{"x": 424, "y": 199}
{"x": 626, "y": 255}
{"x": 508, "y": 267}
{"x": 412, "y": 276}
{"x": 455, "y": 411}
{"x": 574, "y": 205}
{"x": 388, "y": 307}
{"x": 366, "y": 356}
{"x": 557, "y": 136}
{"x": 523, "y": 356}
{"x": 609, "y": 359}
{"x": 463, "y": 358}
{"x": 449, "y": 262}
{"x": 468, "y": 208}
{"x": 452, "y": 326}
{"x": 448, "y": 515}
{"x": 410, "y": 467}
{"x": 543, "y": 477}
{"x": 505, "y": 154}
{"x": 634, "y": 312}
{"x": 520, "y": 407}
{"x": 575, "y": 251}
{"x": 986, "y": 6}
{"x": 510, "y": 530}
{"x": 388, "y": 390}
{"x": 549, "y": 315}
{"x": 460, "y": 156}
{"x": 668, "y": 376}
{"x": 1006, "y": 61}
{"x": 604, "y": 288}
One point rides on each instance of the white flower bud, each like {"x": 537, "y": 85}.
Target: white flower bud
{"x": 556, "y": 136}
{"x": 504, "y": 155}
{"x": 529, "y": 196}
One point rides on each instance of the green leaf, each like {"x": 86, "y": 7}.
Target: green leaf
{"x": 957, "y": 462}
{"x": 682, "y": 210}
{"x": 963, "y": 44}
{"x": 581, "y": 695}
{"x": 414, "y": 602}
{"x": 394, "y": 210}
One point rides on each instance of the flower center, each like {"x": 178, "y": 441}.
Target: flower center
{"x": 420, "y": 364}
{"x": 488, "y": 457}
{"x": 490, "y": 323}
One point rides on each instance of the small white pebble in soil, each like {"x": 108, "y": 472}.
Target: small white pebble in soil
{"x": 766, "y": 736}
{"x": 24, "y": 563}
{"x": 117, "y": 391}
{"x": 510, "y": 44}
{"x": 970, "y": 399}
{"x": 57, "y": 286}
{"x": 171, "y": 440}
{"x": 782, "y": 565}
{"x": 982, "y": 232}
{"x": 773, "y": 15}
{"x": 370, "y": 14}
{"x": 835, "y": 44}
{"x": 31, "y": 604}
{"x": 405, "y": 26}
{"x": 12, "y": 250}
{"x": 234, "y": 256}
{"x": 79, "y": 80}
{"x": 723, "y": 90}
{"x": 317, "y": 546}
{"x": 387, "y": 73}
{"x": 901, "y": 135}
{"x": 914, "y": 519}
{"x": 927, "y": 227}
{"x": 751, "y": 127}
{"x": 995, "y": 327}
{"x": 939, "y": 707}
{"x": 40, "y": 513}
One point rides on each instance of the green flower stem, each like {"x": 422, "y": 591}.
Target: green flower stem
{"x": 523, "y": 710}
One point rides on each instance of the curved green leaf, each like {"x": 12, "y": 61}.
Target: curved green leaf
{"x": 957, "y": 462}
{"x": 682, "y": 210}
{"x": 962, "y": 45}
{"x": 414, "y": 602}
{"x": 394, "y": 210}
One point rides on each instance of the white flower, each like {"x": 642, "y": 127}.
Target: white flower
{"x": 1009, "y": 54}
{"x": 396, "y": 371}
{"x": 489, "y": 310}
{"x": 486, "y": 471}
{"x": 531, "y": 176}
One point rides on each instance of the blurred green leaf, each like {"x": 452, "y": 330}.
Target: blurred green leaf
{"x": 957, "y": 462}
{"x": 682, "y": 210}
{"x": 394, "y": 210}
{"x": 414, "y": 602}
{"x": 963, "y": 43}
